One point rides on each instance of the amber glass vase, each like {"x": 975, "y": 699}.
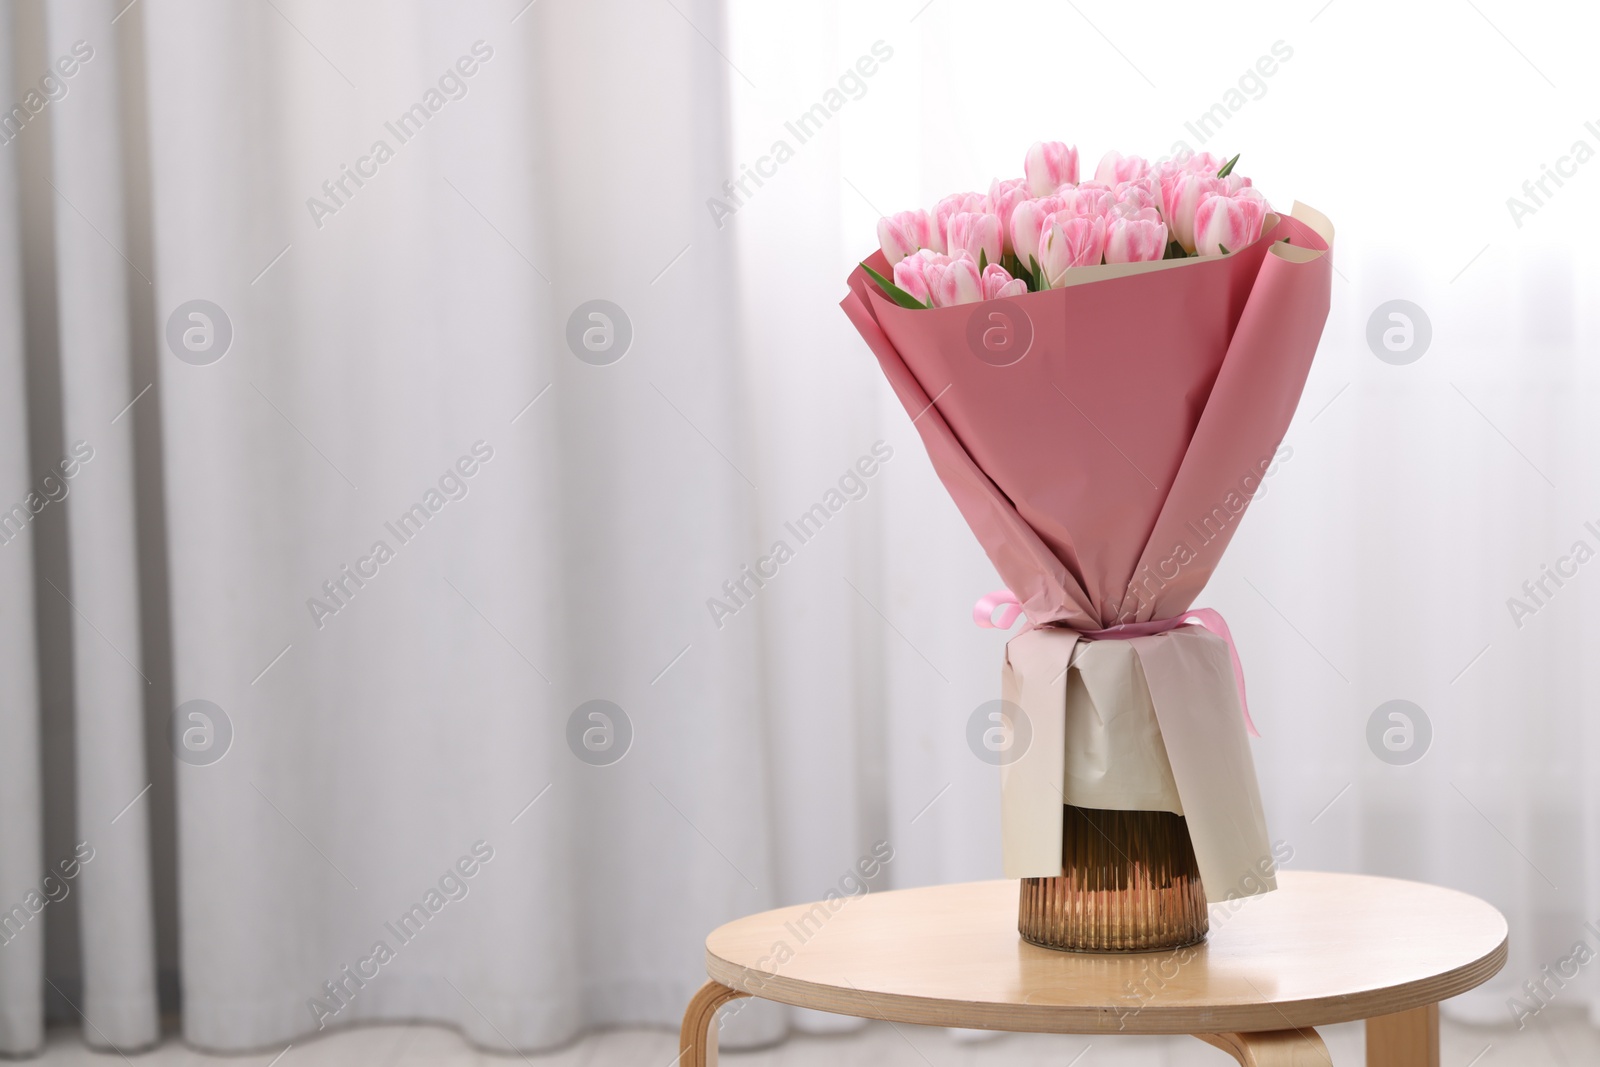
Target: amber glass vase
{"x": 1129, "y": 883}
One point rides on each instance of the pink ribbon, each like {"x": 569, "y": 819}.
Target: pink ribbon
{"x": 983, "y": 613}
{"x": 983, "y": 610}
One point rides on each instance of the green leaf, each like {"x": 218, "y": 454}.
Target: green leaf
{"x": 1037, "y": 281}
{"x": 1223, "y": 247}
{"x": 983, "y": 260}
{"x": 1017, "y": 270}
{"x": 1175, "y": 251}
{"x": 1227, "y": 168}
{"x": 897, "y": 294}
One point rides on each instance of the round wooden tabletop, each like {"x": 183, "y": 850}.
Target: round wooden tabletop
{"x": 1323, "y": 948}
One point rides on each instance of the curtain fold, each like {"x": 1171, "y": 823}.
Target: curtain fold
{"x": 22, "y": 831}
{"x": 491, "y": 561}
{"x": 97, "y": 384}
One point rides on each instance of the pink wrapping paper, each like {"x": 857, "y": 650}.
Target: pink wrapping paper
{"x": 1143, "y": 401}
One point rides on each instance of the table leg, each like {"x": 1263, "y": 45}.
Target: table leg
{"x": 697, "y": 1041}
{"x": 1405, "y": 1039}
{"x": 1275, "y": 1048}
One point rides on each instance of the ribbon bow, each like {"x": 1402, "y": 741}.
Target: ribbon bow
{"x": 983, "y": 613}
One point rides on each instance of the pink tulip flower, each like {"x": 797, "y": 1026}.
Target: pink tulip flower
{"x": 1139, "y": 239}
{"x": 1004, "y": 196}
{"x": 1137, "y": 193}
{"x": 998, "y": 282}
{"x": 954, "y": 204}
{"x": 1049, "y": 165}
{"x": 1181, "y": 194}
{"x": 973, "y": 232}
{"x": 1115, "y": 168}
{"x": 1070, "y": 241}
{"x": 1027, "y": 225}
{"x": 903, "y": 233}
{"x": 1126, "y": 210}
{"x": 1086, "y": 199}
{"x": 1225, "y": 224}
{"x": 913, "y": 273}
{"x": 1164, "y": 172}
{"x": 940, "y": 280}
{"x": 957, "y": 282}
{"x": 1203, "y": 163}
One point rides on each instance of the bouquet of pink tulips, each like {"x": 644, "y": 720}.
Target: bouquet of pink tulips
{"x": 1028, "y": 232}
{"x": 1102, "y": 372}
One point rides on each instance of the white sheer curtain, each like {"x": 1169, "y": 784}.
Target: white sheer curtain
{"x": 416, "y": 331}
{"x": 380, "y": 334}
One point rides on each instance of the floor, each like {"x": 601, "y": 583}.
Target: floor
{"x": 1549, "y": 1040}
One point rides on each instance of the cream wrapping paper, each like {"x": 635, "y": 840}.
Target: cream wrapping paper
{"x": 1142, "y": 724}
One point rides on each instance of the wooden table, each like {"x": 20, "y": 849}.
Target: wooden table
{"x": 1324, "y": 948}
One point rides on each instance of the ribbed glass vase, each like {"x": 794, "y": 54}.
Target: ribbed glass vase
{"x": 1129, "y": 883}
